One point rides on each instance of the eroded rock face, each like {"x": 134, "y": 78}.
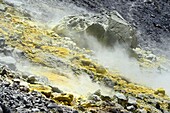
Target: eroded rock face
{"x": 107, "y": 29}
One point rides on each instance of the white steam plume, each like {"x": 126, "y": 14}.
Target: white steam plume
{"x": 118, "y": 58}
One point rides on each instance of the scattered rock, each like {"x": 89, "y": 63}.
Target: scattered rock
{"x": 6, "y": 84}
{"x": 121, "y": 99}
{"x": 116, "y": 109}
{"x": 160, "y": 91}
{"x": 141, "y": 111}
{"x": 132, "y": 101}
{"x": 24, "y": 84}
{"x": 86, "y": 62}
{"x": 148, "y": 1}
{"x": 101, "y": 70}
{"x": 52, "y": 105}
{"x": 56, "y": 89}
{"x": 89, "y": 103}
{"x": 120, "y": 96}
{"x": 94, "y": 97}
{"x": 108, "y": 82}
{"x": 98, "y": 92}
{"x": 41, "y": 88}
{"x": 152, "y": 57}
{"x": 105, "y": 98}
{"x": 32, "y": 79}
{"x": 35, "y": 110}
{"x": 130, "y": 108}
{"x": 65, "y": 98}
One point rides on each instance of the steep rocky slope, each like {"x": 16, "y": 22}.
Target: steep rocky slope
{"x": 150, "y": 17}
{"x": 50, "y": 73}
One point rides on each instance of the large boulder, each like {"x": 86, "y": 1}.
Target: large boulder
{"x": 108, "y": 28}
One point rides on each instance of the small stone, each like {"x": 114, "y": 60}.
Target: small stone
{"x": 46, "y": 90}
{"x": 35, "y": 110}
{"x": 121, "y": 99}
{"x": 25, "y": 89}
{"x": 131, "y": 108}
{"x": 16, "y": 81}
{"x": 98, "y": 92}
{"x": 105, "y": 98}
{"x": 56, "y": 89}
{"x": 160, "y": 91}
{"x": 94, "y": 97}
{"x": 141, "y": 111}
{"x": 6, "y": 83}
{"x": 60, "y": 110}
{"x": 46, "y": 93}
{"x": 52, "y": 105}
{"x": 88, "y": 104}
{"x": 108, "y": 82}
{"x": 124, "y": 111}
{"x": 148, "y": 1}
{"x": 8, "y": 15}
{"x": 32, "y": 79}
{"x": 75, "y": 111}
{"x": 24, "y": 84}
{"x": 101, "y": 70}
{"x": 121, "y": 96}
{"x": 86, "y": 62}
{"x": 81, "y": 108}
{"x": 132, "y": 101}
{"x": 151, "y": 57}
{"x": 141, "y": 96}
{"x": 66, "y": 98}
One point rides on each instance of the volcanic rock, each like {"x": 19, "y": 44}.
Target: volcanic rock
{"x": 107, "y": 30}
{"x": 65, "y": 98}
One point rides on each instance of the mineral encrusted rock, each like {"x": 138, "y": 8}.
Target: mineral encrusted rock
{"x": 107, "y": 29}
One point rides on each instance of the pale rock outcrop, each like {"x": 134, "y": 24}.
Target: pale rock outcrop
{"x": 107, "y": 29}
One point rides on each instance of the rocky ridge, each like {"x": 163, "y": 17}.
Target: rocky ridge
{"x": 61, "y": 53}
